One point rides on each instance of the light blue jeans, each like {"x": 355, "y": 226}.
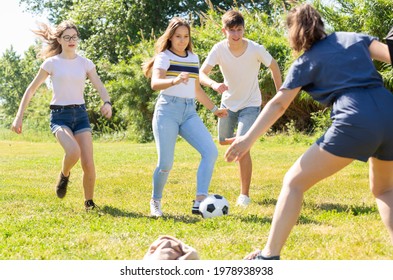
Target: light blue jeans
{"x": 175, "y": 116}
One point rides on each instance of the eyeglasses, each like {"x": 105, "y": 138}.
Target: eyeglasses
{"x": 68, "y": 38}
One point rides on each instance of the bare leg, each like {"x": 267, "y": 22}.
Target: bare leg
{"x": 313, "y": 166}
{"x": 200, "y": 197}
{"x": 89, "y": 174}
{"x": 71, "y": 149}
{"x": 381, "y": 184}
{"x": 245, "y": 167}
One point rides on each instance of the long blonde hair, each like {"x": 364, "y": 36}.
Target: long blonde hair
{"x": 305, "y": 27}
{"x": 50, "y": 36}
{"x": 164, "y": 43}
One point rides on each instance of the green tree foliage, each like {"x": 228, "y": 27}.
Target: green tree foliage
{"x": 261, "y": 28}
{"x": 16, "y": 73}
{"x": 130, "y": 91}
{"x": 109, "y": 27}
{"x": 118, "y": 35}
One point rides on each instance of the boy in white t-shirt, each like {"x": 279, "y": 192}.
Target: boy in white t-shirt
{"x": 239, "y": 60}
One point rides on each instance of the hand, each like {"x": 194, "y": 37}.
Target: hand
{"x": 229, "y": 141}
{"x": 221, "y": 113}
{"x": 106, "y": 110}
{"x": 183, "y": 77}
{"x": 219, "y": 87}
{"x": 239, "y": 147}
{"x": 17, "y": 125}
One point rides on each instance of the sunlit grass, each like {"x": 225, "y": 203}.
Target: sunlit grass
{"x": 339, "y": 219}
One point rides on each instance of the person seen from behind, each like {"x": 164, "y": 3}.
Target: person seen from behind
{"x": 336, "y": 70}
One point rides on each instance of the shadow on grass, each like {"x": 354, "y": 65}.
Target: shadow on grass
{"x": 355, "y": 210}
{"x": 181, "y": 218}
{"x": 267, "y": 201}
{"x": 253, "y": 219}
{"x": 116, "y": 212}
{"x": 304, "y": 220}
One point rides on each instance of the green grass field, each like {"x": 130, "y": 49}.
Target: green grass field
{"x": 339, "y": 219}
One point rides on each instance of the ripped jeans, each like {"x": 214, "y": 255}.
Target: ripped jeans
{"x": 175, "y": 116}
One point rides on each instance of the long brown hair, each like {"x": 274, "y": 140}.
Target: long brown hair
{"x": 163, "y": 43}
{"x": 305, "y": 27}
{"x": 50, "y": 36}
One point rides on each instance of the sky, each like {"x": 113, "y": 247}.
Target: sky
{"x": 15, "y": 27}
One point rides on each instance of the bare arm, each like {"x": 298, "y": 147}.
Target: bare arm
{"x": 276, "y": 74}
{"x": 379, "y": 51}
{"x": 29, "y": 93}
{"x": 202, "y": 97}
{"x": 160, "y": 82}
{"x": 204, "y": 74}
{"x": 207, "y": 81}
{"x": 106, "y": 109}
{"x": 273, "y": 110}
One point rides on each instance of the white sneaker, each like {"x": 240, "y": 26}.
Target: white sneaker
{"x": 195, "y": 207}
{"x": 243, "y": 200}
{"x": 155, "y": 208}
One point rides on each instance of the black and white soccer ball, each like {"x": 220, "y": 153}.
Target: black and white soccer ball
{"x": 214, "y": 205}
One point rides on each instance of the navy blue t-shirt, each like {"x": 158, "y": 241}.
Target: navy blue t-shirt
{"x": 340, "y": 61}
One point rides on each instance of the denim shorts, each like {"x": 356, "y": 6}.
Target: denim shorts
{"x": 242, "y": 120}
{"x": 362, "y": 125}
{"x": 74, "y": 118}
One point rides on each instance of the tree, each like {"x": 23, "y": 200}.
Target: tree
{"x": 119, "y": 35}
{"x": 15, "y": 75}
{"x": 109, "y": 27}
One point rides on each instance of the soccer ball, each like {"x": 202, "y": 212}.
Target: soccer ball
{"x": 214, "y": 206}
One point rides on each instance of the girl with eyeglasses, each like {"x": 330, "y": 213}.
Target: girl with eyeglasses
{"x": 69, "y": 120}
{"x": 174, "y": 70}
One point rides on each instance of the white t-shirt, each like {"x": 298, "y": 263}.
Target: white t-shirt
{"x": 68, "y": 78}
{"x": 174, "y": 65}
{"x": 240, "y": 73}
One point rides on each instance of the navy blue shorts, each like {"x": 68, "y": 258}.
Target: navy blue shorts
{"x": 73, "y": 117}
{"x": 362, "y": 125}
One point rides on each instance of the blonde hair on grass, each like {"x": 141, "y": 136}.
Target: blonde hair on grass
{"x": 50, "y": 35}
{"x": 163, "y": 43}
{"x": 305, "y": 27}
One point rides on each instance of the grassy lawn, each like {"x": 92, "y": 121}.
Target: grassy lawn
{"x": 339, "y": 219}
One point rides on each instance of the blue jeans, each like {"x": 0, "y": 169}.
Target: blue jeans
{"x": 75, "y": 118}
{"x": 242, "y": 119}
{"x": 175, "y": 116}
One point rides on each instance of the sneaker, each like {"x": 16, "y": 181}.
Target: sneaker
{"x": 257, "y": 255}
{"x": 90, "y": 205}
{"x": 61, "y": 187}
{"x": 195, "y": 207}
{"x": 262, "y": 257}
{"x": 243, "y": 200}
{"x": 155, "y": 208}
